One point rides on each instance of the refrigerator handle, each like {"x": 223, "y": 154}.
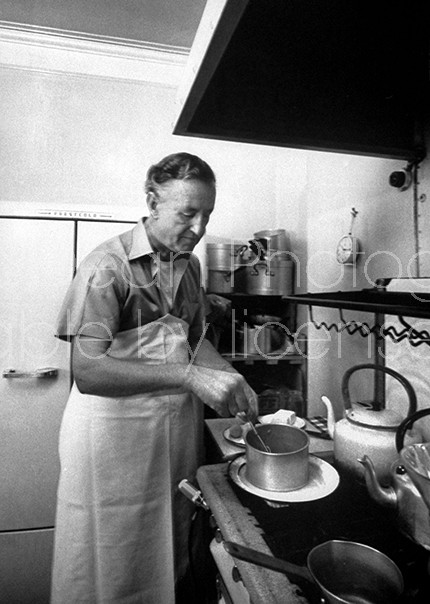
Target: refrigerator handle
{"x": 45, "y": 372}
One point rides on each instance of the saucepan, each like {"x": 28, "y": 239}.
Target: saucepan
{"x": 277, "y": 457}
{"x": 346, "y": 572}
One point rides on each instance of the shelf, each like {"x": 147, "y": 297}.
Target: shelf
{"x": 244, "y": 298}
{"x": 270, "y": 359}
{"x": 374, "y": 300}
{"x": 379, "y": 302}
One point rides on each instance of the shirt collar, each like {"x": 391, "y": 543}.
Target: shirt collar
{"x": 140, "y": 245}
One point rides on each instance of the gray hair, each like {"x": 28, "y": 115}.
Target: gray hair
{"x": 178, "y": 166}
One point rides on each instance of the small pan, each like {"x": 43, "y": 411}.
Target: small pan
{"x": 345, "y": 571}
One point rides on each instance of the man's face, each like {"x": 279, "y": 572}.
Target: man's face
{"x": 182, "y": 210}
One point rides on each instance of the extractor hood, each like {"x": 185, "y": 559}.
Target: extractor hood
{"x": 334, "y": 75}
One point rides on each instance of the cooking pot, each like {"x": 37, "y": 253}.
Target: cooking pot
{"x": 271, "y": 277}
{"x": 225, "y": 256}
{"x": 273, "y": 240}
{"x": 345, "y": 571}
{"x": 285, "y": 467}
{"x": 255, "y": 340}
{"x": 402, "y": 495}
{"x": 225, "y": 262}
{"x": 368, "y": 430}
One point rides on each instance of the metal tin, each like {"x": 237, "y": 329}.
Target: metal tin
{"x": 272, "y": 277}
{"x": 225, "y": 256}
{"x": 220, "y": 281}
{"x": 225, "y": 262}
{"x": 276, "y": 239}
{"x": 286, "y": 467}
{"x": 254, "y": 340}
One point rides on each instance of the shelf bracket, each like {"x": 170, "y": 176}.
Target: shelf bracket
{"x": 378, "y": 329}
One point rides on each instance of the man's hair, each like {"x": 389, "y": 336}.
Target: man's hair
{"x": 178, "y": 166}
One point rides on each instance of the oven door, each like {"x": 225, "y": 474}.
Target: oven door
{"x": 230, "y": 586}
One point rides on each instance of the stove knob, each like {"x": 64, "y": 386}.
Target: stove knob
{"x": 235, "y": 575}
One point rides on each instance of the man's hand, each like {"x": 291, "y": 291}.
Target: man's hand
{"x": 225, "y": 392}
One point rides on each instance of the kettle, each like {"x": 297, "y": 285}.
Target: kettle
{"x": 366, "y": 429}
{"x": 402, "y": 495}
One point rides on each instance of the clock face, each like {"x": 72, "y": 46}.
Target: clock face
{"x": 347, "y": 249}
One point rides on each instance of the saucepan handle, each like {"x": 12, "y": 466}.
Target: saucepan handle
{"x": 247, "y": 554}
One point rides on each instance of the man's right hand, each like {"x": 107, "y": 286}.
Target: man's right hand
{"x": 225, "y": 392}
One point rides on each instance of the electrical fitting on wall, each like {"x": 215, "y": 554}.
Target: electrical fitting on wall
{"x": 402, "y": 179}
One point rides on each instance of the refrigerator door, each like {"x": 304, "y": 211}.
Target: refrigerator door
{"x": 37, "y": 262}
{"x": 25, "y": 563}
{"x": 36, "y": 266}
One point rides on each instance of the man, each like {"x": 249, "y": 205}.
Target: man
{"x": 132, "y": 426}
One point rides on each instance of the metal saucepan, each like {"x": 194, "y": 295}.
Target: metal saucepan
{"x": 285, "y": 466}
{"x": 345, "y": 571}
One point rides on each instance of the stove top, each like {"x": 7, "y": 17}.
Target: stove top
{"x": 348, "y": 513}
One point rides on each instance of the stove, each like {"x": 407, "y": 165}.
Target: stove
{"x": 349, "y": 513}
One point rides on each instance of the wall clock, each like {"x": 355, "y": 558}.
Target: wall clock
{"x": 348, "y": 247}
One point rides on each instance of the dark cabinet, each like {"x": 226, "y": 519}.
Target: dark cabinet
{"x": 313, "y": 74}
{"x": 277, "y": 373}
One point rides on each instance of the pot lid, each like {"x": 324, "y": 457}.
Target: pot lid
{"x": 384, "y": 419}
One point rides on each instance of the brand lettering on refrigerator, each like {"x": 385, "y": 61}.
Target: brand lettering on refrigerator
{"x": 75, "y": 214}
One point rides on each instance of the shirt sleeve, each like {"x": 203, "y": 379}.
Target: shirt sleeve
{"x": 93, "y": 302}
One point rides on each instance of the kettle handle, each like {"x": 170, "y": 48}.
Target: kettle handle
{"x": 406, "y": 424}
{"x": 404, "y": 382}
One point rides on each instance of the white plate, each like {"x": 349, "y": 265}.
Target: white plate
{"x": 263, "y": 419}
{"x": 323, "y": 480}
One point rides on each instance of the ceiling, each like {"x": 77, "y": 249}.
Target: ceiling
{"x": 165, "y": 23}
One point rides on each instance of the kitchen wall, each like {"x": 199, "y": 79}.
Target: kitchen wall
{"x": 385, "y": 227}
{"x": 79, "y": 127}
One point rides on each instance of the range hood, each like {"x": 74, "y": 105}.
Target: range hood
{"x": 327, "y": 75}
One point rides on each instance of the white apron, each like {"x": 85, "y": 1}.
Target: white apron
{"x": 122, "y": 526}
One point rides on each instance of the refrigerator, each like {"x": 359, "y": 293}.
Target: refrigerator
{"x": 39, "y": 251}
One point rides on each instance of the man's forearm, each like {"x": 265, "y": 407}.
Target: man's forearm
{"x": 205, "y": 355}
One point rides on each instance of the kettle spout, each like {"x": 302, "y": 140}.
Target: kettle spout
{"x": 385, "y": 496}
{"x": 330, "y": 415}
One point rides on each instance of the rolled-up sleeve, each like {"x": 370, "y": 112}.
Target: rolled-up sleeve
{"x": 93, "y": 302}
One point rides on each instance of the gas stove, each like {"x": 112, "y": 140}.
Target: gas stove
{"x": 349, "y": 513}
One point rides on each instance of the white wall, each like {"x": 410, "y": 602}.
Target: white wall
{"x": 80, "y": 127}
{"x": 385, "y": 226}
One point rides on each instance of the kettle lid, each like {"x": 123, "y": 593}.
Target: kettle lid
{"x": 385, "y": 419}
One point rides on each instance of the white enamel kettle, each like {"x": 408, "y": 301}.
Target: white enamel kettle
{"x": 367, "y": 430}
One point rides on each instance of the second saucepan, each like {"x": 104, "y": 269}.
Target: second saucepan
{"x": 345, "y": 571}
